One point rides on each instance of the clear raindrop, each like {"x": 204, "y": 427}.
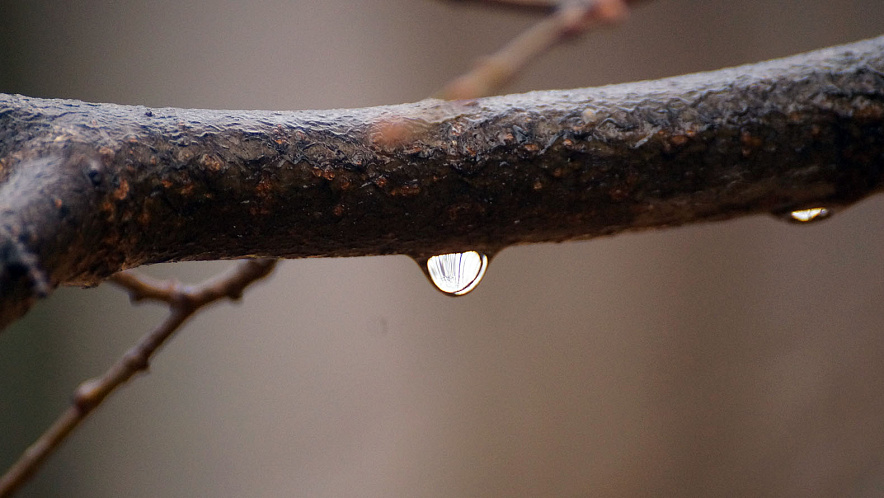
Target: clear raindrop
{"x": 456, "y": 273}
{"x": 809, "y": 215}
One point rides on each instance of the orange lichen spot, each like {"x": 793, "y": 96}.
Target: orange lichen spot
{"x": 328, "y": 174}
{"x": 567, "y": 142}
{"x": 750, "y": 140}
{"x": 558, "y": 172}
{"x": 531, "y": 147}
{"x": 678, "y": 140}
{"x": 263, "y": 187}
{"x": 280, "y": 131}
{"x": 338, "y": 210}
{"x": 264, "y": 191}
{"x": 122, "y": 191}
{"x": 380, "y": 181}
{"x": 406, "y": 190}
{"x": 538, "y": 185}
{"x": 317, "y": 172}
{"x": 106, "y": 153}
{"x": 57, "y": 203}
{"x": 184, "y": 155}
{"x": 212, "y": 163}
{"x": 166, "y": 183}
{"x": 187, "y": 189}
{"x": 344, "y": 183}
{"x": 144, "y": 218}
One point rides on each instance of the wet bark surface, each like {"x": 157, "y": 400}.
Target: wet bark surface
{"x": 89, "y": 189}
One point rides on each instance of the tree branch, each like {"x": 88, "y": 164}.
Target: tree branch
{"x": 89, "y": 189}
{"x": 183, "y": 302}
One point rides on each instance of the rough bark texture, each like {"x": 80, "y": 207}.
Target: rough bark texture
{"x": 89, "y": 189}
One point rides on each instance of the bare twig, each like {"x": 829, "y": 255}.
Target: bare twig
{"x": 183, "y": 302}
{"x": 569, "y": 19}
{"x": 490, "y": 74}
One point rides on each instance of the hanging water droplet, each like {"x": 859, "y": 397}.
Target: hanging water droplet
{"x": 456, "y": 273}
{"x": 808, "y": 215}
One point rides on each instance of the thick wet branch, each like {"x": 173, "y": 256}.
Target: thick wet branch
{"x": 89, "y": 189}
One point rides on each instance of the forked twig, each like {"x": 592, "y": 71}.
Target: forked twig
{"x": 568, "y": 19}
{"x": 183, "y": 302}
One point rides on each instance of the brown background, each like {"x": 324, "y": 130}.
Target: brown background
{"x": 742, "y": 358}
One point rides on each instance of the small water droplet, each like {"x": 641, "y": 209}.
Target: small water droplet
{"x": 456, "y": 273}
{"x": 809, "y": 215}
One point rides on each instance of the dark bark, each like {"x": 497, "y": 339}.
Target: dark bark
{"x": 89, "y": 189}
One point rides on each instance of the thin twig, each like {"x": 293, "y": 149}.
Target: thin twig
{"x": 491, "y": 73}
{"x": 183, "y": 302}
{"x": 570, "y": 19}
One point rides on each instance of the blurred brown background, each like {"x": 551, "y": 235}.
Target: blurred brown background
{"x": 743, "y": 359}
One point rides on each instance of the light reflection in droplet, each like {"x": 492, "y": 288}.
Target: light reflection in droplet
{"x": 808, "y": 215}
{"x": 457, "y": 273}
